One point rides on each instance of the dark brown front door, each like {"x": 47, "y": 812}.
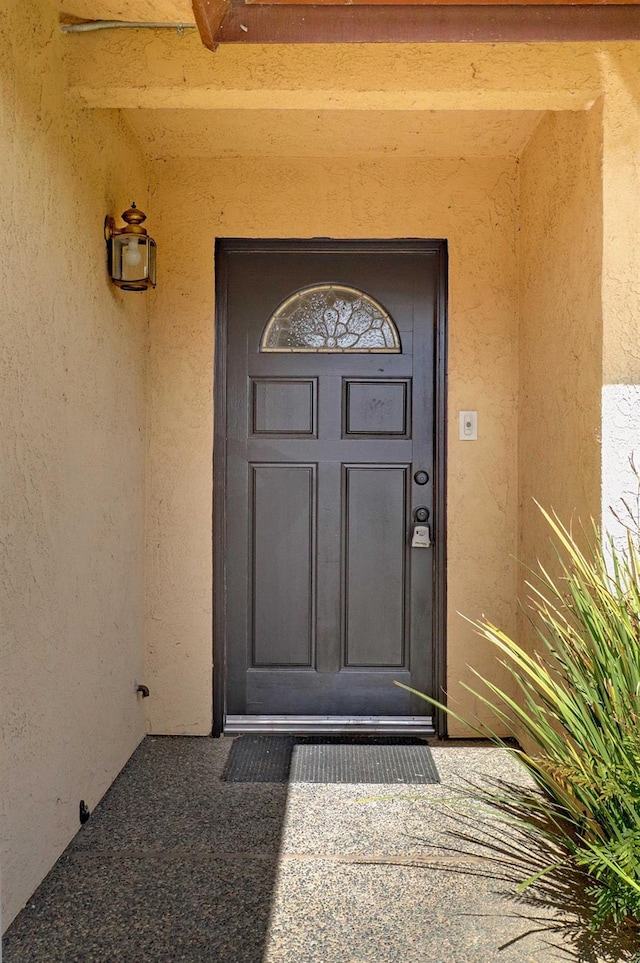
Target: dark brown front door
{"x": 326, "y": 440}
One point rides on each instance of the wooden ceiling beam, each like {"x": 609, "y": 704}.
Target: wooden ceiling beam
{"x": 209, "y": 15}
{"x": 439, "y": 3}
{"x": 234, "y": 21}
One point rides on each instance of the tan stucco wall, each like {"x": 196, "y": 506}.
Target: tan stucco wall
{"x": 471, "y": 203}
{"x": 621, "y": 211}
{"x": 72, "y": 409}
{"x": 560, "y": 332}
{"x": 620, "y": 288}
{"x": 256, "y": 100}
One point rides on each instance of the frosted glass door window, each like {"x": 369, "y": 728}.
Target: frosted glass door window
{"x": 331, "y": 318}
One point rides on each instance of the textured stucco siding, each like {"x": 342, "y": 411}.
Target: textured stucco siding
{"x": 620, "y": 460}
{"x": 72, "y": 410}
{"x": 471, "y": 203}
{"x": 560, "y": 332}
{"x": 621, "y": 288}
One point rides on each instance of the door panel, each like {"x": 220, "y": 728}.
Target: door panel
{"x": 324, "y": 602}
{"x": 283, "y": 554}
{"x": 381, "y": 408}
{"x": 375, "y": 549}
{"x": 284, "y": 407}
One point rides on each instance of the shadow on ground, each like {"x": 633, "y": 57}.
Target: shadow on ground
{"x": 555, "y": 898}
{"x": 174, "y": 865}
{"x": 180, "y": 865}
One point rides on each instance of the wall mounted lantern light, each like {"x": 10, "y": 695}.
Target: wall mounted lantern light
{"x": 131, "y": 253}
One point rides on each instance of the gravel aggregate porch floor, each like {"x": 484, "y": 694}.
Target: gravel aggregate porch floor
{"x": 178, "y": 866}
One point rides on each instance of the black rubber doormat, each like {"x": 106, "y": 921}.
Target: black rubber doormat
{"x": 399, "y": 764}
{"x": 330, "y": 759}
{"x": 255, "y": 758}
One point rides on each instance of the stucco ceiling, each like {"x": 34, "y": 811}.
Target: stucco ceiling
{"x": 301, "y": 133}
{"x": 304, "y": 129}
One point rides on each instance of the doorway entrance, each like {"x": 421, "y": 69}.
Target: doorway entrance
{"x": 329, "y": 485}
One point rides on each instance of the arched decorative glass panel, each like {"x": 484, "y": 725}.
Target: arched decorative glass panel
{"x": 330, "y": 318}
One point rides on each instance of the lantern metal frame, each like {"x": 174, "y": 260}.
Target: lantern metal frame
{"x": 116, "y": 238}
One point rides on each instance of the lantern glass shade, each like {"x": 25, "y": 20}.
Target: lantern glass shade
{"x": 132, "y": 261}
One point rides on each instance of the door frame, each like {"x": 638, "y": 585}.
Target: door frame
{"x": 429, "y": 248}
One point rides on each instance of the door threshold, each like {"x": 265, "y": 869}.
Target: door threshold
{"x": 347, "y": 725}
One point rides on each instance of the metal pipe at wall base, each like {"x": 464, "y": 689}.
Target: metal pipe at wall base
{"x": 127, "y": 24}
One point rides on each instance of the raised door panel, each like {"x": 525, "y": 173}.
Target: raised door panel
{"x": 377, "y": 408}
{"x": 283, "y": 564}
{"x": 375, "y": 512}
{"x": 283, "y": 406}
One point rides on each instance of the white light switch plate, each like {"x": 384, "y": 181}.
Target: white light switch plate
{"x": 468, "y": 426}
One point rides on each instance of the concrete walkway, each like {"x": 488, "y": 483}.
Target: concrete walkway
{"x": 176, "y": 865}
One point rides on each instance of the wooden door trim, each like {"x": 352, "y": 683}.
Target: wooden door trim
{"x": 223, "y": 248}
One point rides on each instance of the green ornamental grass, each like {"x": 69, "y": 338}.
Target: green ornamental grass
{"x": 577, "y": 711}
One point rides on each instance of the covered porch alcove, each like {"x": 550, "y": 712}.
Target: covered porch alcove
{"x": 525, "y": 157}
